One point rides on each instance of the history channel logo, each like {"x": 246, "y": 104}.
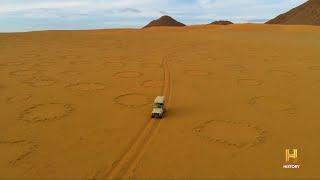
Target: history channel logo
{"x": 291, "y": 159}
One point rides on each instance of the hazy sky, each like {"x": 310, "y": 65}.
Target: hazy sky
{"x": 28, "y": 15}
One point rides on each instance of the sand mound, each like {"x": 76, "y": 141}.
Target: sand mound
{"x": 222, "y": 22}
{"x": 307, "y": 13}
{"x": 164, "y": 21}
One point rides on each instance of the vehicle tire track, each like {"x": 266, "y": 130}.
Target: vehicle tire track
{"x": 126, "y": 165}
{"x": 153, "y": 133}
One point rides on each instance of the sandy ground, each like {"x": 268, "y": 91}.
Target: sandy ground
{"x": 76, "y": 104}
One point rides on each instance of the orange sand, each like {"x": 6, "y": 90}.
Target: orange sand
{"x": 76, "y": 104}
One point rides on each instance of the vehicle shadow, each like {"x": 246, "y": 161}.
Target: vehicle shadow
{"x": 179, "y": 111}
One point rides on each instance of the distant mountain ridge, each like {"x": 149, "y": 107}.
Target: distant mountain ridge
{"x": 306, "y": 14}
{"x": 222, "y": 22}
{"x": 164, "y": 21}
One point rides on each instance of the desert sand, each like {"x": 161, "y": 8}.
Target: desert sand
{"x": 76, "y": 104}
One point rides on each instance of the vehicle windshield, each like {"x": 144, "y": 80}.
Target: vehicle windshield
{"x": 157, "y": 105}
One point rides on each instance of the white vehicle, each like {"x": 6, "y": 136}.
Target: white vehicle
{"x": 158, "y": 107}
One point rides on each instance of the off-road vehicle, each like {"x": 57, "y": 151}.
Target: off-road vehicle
{"x": 158, "y": 107}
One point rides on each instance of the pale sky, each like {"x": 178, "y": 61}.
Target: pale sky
{"x": 30, "y": 15}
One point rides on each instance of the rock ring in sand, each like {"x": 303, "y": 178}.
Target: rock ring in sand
{"x": 230, "y": 133}
{"x": 45, "y": 63}
{"x": 132, "y": 100}
{"x": 19, "y": 98}
{"x": 151, "y": 65}
{"x": 128, "y": 74}
{"x": 282, "y": 73}
{"x": 79, "y": 62}
{"x": 197, "y": 73}
{"x": 113, "y": 64}
{"x": 315, "y": 68}
{"x": 15, "y": 63}
{"x": 71, "y": 73}
{"x": 86, "y": 86}
{"x": 41, "y": 81}
{"x": 23, "y": 73}
{"x": 153, "y": 83}
{"x": 46, "y": 112}
{"x": 266, "y": 103}
{"x": 235, "y": 67}
{"x": 250, "y": 82}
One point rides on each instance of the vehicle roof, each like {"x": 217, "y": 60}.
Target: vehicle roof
{"x": 159, "y": 99}
{"x": 157, "y": 110}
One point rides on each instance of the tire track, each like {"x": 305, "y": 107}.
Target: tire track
{"x": 153, "y": 133}
{"x": 126, "y": 165}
